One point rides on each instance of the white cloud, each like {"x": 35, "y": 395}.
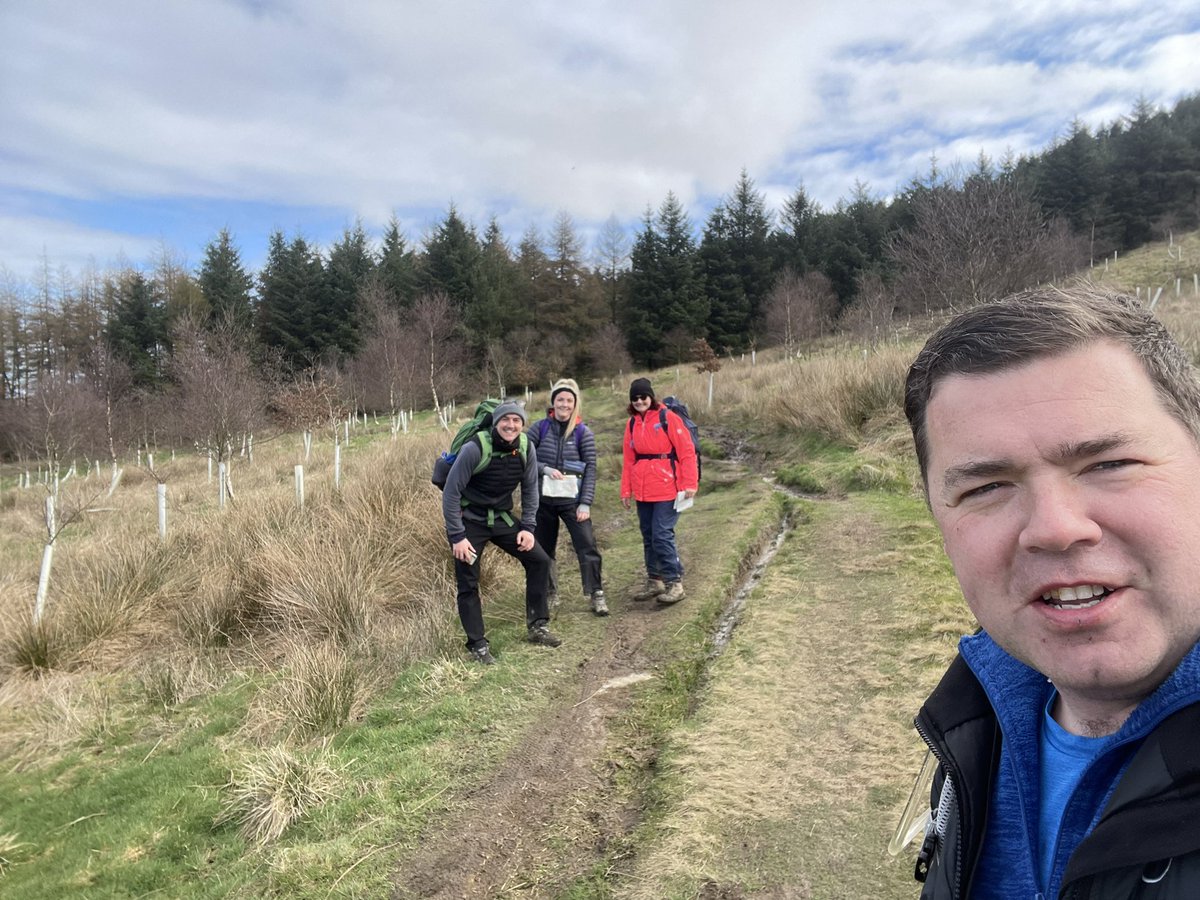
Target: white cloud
{"x": 525, "y": 108}
{"x": 33, "y": 243}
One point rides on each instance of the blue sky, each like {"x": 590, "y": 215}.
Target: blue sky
{"x": 130, "y": 126}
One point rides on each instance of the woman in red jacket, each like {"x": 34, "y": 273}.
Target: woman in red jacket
{"x": 659, "y": 465}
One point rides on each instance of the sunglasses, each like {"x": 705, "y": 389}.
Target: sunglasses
{"x": 641, "y": 397}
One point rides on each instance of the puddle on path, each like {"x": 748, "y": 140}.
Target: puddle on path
{"x": 733, "y": 613}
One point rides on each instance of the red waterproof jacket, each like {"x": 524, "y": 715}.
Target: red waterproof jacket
{"x": 661, "y": 478}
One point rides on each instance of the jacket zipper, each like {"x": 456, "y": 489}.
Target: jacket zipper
{"x": 944, "y": 761}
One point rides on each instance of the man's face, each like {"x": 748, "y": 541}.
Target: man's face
{"x": 1069, "y": 503}
{"x": 509, "y": 426}
{"x": 564, "y": 405}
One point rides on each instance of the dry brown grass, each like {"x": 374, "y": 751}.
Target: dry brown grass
{"x": 362, "y": 573}
{"x": 319, "y": 689}
{"x": 45, "y": 716}
{"x": 270, "y": 790}
{"x": 845, "y": 394}
{"x": 842, "y": 396}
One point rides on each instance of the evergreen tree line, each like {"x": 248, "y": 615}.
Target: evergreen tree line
{"x": 408, "y": 325}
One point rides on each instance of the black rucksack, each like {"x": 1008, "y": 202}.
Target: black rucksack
{"x": 681, "y": 410}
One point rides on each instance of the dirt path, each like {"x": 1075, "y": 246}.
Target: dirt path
{"x": 549, "y": 815}
{"x": 520, "y": 831}
{"x": 787, "y": 782}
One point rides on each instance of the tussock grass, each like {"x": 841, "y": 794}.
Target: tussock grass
{"x": 269, "y": 791}
{"x": 106, "y": 600}
{"x": 843, "y": 397}
{"x": 447, "y": 677}
{"x": 317, "y": 693}
{"x": 29, "y": 648}
{"x": 366, "y": 567}
{"x": 177, "y": 678}
{"x": 216, "y": 615}
{"x": 316, "y": 609}
{"x": 316, "y": 586}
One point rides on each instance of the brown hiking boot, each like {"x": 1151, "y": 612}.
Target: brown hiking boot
{"x": 673, "y": 594}
{"x": 599, "y": 605}
{"x": 654, "y": 588}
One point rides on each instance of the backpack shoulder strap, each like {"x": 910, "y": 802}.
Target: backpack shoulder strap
{"x": 662, "y": 418}
{"x": 543, "y": 427}
{"x": 485, "y": 447}
{"x": 522, "y": 446}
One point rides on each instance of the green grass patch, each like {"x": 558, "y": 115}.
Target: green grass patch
{"x": 788, "y": 775}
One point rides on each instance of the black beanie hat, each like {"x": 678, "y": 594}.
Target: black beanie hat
{"x": 639, "y": 387}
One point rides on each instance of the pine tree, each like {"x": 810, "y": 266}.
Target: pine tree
{"x": 736, "y": 259}
{"x": 1068, "y": 179}
{"x": 181, "y": 294}
{"x": 533, "y": 265}
{"x": 291, "y": 285}
{"x": 225, "y": 283}
{"x": 666, "y": 292}
{"x": 336, "y": 315}
{"x": 611, "y": 257}
{"x": 564, "y": 308}
{"x": 729, "y": 315}
{"x": 397, "y": 270}
{"x": 451, "y": 261}
{"x": 856, "y": 242}
{"x": 1151, "y": 165}
{"x": 497, "y": 307}
{"x": 798, "y": 240}
{"x": 137, "y": 331}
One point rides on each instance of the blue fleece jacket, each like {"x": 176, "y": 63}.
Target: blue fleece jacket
{"x": 1008, "y": 865}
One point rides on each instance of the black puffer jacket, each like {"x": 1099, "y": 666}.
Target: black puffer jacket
{"x": 560, "y": 443}
{"x": 1145, "y": 845}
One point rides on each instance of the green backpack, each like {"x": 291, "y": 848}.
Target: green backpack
{"x": 479, "y": 424}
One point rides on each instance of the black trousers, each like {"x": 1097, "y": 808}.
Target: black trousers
{"x": 537, "y": 573}
{"x": 583, "y": 539}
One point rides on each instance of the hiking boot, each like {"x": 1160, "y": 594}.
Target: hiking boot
{"x": 540, "y": 634}
{"x": 654, "y": 587}
{"x": 599, "y": 606}
{"x": 483, "y": 655}
{"x": 673, "y": 593}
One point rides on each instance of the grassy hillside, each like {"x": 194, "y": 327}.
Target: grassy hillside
{"x": 276, "y": 702}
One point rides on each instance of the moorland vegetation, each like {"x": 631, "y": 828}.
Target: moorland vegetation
{"x": 272, "y": 699}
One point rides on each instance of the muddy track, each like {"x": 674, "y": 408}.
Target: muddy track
{"x": 550, "y": 783}
{"x": 550, "y": 814}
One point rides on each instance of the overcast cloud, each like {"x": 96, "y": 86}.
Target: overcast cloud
{"x": 127, "y": 124}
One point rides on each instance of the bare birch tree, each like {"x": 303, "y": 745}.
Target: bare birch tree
{"x": 799, "y": 308}
{"x": 220, "y": 397}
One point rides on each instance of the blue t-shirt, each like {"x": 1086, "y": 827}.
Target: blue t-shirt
{"x": 1063, "y": 757}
